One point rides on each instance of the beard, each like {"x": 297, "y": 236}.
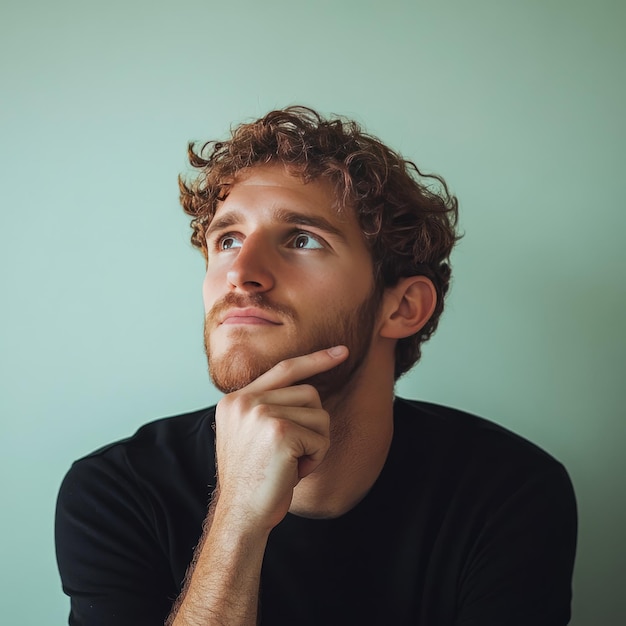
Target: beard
{"x": 243, "y": 362}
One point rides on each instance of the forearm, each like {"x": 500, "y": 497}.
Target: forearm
{"x": 222, "y": 586}
{"x": 269, "y": 435}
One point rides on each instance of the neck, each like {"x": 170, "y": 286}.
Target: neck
{"x": 361, "y": 420}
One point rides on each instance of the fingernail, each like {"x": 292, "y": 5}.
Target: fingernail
{"x": 337, "y": 351}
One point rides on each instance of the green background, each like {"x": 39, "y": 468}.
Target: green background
{"x": 520, "y": 105}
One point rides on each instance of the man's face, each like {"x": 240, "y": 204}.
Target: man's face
{"x": 287, "y": 274}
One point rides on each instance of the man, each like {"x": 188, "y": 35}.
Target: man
{"x": 333, "y": 502}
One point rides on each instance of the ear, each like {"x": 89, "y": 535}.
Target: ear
{"x": 407, "y": 306}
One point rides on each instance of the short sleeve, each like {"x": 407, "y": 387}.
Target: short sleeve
{"x": 519, "y": 571}
{"x": 110, "y": 561}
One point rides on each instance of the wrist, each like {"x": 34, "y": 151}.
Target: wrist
{"x": 237, "y": 525}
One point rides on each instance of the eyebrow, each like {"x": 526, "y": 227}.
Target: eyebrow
{"x": 284, "y": 216}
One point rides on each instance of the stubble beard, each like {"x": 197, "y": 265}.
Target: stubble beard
{"x": 242, "y": 363}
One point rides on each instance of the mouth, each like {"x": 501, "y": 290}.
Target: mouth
{"x": 249, "y": 316}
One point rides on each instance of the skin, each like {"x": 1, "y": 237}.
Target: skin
{"x": 280, "y": 445}
{"x": 257, "y": 250}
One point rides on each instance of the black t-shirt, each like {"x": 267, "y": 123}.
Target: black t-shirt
{"x": 467, "y": 525}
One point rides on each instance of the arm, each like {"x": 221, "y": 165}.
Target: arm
{"x": 111, "y": 562}
{"x": 223, "y": 582}
{"x": 269, "y": 435}
{"x": 521, "y": 567}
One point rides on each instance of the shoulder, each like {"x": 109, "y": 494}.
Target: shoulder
{"x": 137, "y": 489}
{"x": 129, "y": 514}
{"x": 499, "y": 506}
{"x": 164, "y": 432}
{"x": 446, "y": 428}
{"x": 160, "y": 452}
{"x": 468, "y": 457}
{"x": 161, "y": 437}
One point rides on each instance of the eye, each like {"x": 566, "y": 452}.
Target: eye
{"x": 304, "y": 241}
{"x": 228, "y": 242}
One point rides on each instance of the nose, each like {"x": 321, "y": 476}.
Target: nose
{"x": 252, "y": 270}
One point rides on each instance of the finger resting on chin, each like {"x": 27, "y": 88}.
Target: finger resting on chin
{"x": 291, "y": 371}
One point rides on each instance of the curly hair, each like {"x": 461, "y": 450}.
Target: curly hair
{"x": 408, "y": 218}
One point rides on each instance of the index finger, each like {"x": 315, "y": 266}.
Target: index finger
{"x": 293, "y": 370}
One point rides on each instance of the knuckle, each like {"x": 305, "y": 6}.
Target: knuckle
{"x": 325, "y": 445}
{"x": 322, "y": 444}
{"x": 229, "y": 401}
{"x": 325, "y": 423}
{"x": 235, "y": 406}
{"x": 310, "y": 392}
{"x": 276, "y": 429}
{"x": 285, "y": 367}
{"x": 262, "y": 411}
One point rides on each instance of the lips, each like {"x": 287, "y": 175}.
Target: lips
{"x": 249, "y": 315}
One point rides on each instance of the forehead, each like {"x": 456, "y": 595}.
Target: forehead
{"x": 275, "y": 186}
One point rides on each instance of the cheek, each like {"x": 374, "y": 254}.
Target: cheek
{"x": 208, "y": 291}
{"x": 340, "y": 298}
{"x": 356, "y": 287}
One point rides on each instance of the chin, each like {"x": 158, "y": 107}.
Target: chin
{"x": 240, "y": 365}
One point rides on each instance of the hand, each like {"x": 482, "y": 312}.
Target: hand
{"x": 270, "y": 435}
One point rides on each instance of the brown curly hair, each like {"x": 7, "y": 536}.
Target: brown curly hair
{"x": 408, "y": 218}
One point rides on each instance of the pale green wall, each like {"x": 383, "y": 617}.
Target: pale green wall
{"x": 519, "y": 104}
